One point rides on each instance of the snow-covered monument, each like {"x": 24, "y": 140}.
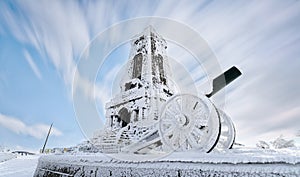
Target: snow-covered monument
{"x": 150, "y": 115}
{"x": 151, "y": 118}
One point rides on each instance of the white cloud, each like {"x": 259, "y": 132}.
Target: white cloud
{"x": 38, "y": 131}
{"x": 32, "y": 65}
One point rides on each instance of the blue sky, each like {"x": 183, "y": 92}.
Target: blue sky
{"x": 41, "y": 42}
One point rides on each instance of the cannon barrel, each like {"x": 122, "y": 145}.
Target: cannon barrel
{"x": 224, "y": 79}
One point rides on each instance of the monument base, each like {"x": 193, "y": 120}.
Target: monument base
{"x": 246, "y": 163}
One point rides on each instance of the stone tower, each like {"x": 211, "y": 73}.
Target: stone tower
{"x": 146, "y": 86}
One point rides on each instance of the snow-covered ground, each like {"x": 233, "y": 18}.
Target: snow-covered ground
{"x": 17, "y": 166}
{"x": 4, "y": 156}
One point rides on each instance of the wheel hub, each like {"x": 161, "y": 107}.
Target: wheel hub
{"x": 182, "y": 120}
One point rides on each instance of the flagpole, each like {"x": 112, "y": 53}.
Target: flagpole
{"x": 43, "y": 150}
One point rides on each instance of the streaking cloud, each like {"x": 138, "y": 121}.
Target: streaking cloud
{"x": 38, "y": 131}
{"x": 32, "y": 65}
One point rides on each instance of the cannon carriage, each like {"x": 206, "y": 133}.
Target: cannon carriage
{"x": 150, "y": 114}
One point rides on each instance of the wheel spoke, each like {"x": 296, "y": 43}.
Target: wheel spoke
{"x": 192, "y": 141}
{"x": 182, "y": 138}
{"x": 175, "y": 108}
{"x": 169, "y": 130}
{"x": 174, "y": 138}
{"x": 167, "y": 121}
{"x": 169, "y": 114}
{"x": 178, "y": 104}
{"x": 197, "y": 131}
{"x": 184, "y": 104}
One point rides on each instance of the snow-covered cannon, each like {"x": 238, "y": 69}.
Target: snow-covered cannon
{"x": 148, "y": 115}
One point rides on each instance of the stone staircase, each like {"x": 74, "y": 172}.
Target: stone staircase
{"x": 107, "y": 143}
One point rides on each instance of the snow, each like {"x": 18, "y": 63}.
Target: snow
{"x": 6, "y": 156}
{"x": 241, "y": 155}
{"x": 236, "y": 162}
{"x": 18, "y": 166}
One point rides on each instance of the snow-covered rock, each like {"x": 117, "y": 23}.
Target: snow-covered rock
{"x": 280, "y": 143}
{"x": 263, "y": 145}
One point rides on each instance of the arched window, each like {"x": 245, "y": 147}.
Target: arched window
{"x": 125, "y": 115}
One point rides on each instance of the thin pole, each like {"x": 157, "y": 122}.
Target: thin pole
{"x": 43, "y": 150}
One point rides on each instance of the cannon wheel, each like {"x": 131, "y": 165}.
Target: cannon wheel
{"x": 227, "y": 136}
{"x": 189, "y": 122}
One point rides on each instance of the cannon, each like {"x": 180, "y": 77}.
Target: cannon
{"x": 149, "y": 115}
